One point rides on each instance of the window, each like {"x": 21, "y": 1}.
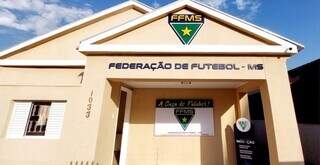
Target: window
{"x": 36, "y": 119}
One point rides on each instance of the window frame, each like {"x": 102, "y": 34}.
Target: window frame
{"x": 24, "y": 136}
{"x": 33, "y": 103}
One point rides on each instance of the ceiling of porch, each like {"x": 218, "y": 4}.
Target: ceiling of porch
{"x": 184, "y": 84}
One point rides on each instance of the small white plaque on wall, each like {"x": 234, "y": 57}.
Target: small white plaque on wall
{"x": 184, "y": 117}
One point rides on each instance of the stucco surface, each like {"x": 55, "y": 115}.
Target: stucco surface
{"x": 196, "y": 150}
{"x": 160, "y": 32}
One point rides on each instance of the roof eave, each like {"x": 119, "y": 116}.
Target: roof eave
{"x": 225, "y": 50}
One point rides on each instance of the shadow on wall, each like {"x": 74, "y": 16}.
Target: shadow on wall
{"x": 221, "y": 148}
{"x": 230, "y": 144}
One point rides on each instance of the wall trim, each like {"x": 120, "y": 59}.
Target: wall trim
{"x": 188, "y": 49}
{"x": 43, "y": 63}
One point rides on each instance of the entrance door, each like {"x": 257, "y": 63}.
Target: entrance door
{"x": 120, "y": 149}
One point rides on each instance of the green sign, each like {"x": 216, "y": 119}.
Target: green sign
{"x": 186, "y": 26}
{"x": 184, "y": 116}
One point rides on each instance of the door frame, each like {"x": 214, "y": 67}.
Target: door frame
{"x": 125, "y": 129}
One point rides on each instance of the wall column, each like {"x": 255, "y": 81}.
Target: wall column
{"x": 281, "y": 125}
{"x": 99, "y": 112}
{"x": 108, "y": 124}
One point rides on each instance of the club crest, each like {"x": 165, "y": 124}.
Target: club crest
{"x": 184, "y": 116}
{"x": 186, "y": 26}
{"x": 243, "y": 125}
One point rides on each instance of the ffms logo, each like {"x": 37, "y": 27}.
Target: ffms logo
{"x": 186, "y": 26}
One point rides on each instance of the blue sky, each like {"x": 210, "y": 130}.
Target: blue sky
{"x": 298, "y": 20}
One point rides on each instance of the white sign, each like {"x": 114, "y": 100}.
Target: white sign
{"x": 184, "y": 117}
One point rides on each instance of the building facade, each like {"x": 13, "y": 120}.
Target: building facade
{"x": 132, "y": 85}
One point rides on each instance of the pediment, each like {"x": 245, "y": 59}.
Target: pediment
{"x": 153, "y": 32}
{"x": 211, "y": 32}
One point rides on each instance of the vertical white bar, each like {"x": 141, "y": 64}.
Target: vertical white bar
{"x": 55, "y": 120}
{"x": 125, "y": 132}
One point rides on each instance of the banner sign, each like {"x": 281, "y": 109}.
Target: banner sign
{"x": 245, "y": 142}
{"x": 158, "y": 66}
{"x": 184, "y": 117}
{"x": 186, "y": 26}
